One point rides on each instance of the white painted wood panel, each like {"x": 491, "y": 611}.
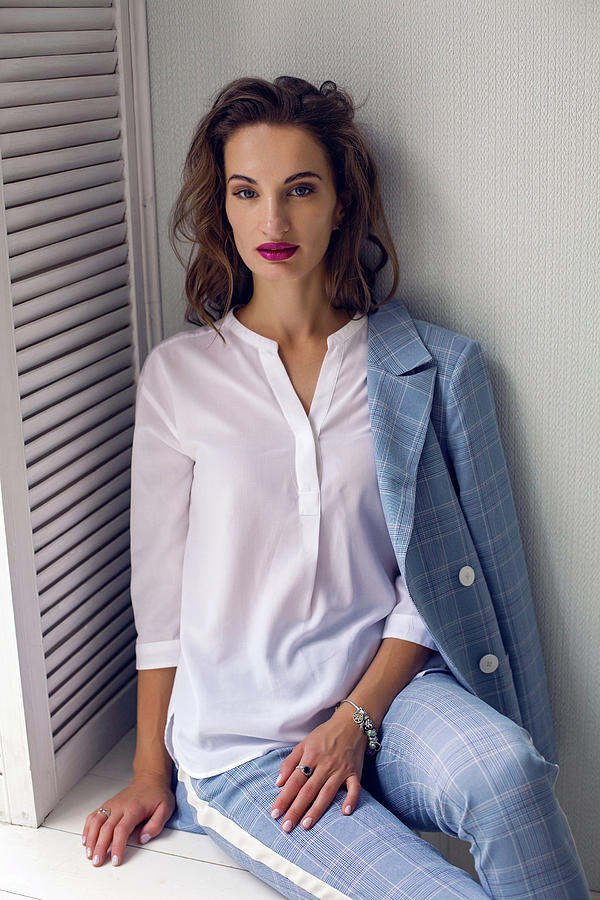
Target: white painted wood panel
{"x": 74, "y": 331}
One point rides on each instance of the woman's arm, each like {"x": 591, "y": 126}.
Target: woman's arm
{"x": 148, "y": 798}
{"x": 153, "y": 695}
{"x": 335, "y": 750}
{"x": 395, "y": 664}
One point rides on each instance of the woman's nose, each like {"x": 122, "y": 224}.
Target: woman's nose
{"x": 275, "y": 218}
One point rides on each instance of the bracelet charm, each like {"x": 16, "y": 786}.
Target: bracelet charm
{"x": 363, "y": 720}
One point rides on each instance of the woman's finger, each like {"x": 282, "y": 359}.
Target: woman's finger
{"x": 289, "y": 764}
{"x": 93, "y": 824}
{"x": 147, "y": 799}
{"x": 310, "y": 813}
{"x": 297, "y": 795}
{"x": 354, "y": 788}
{"x": 120, "y": 837}
{"x": 104, "y": 838}
{"x": 156, "y": 822}
{"x": 129, "y": 822}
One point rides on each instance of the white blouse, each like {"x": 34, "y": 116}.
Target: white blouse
{"x": 261, "y": 563}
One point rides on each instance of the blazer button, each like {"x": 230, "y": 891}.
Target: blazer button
{"x": 466, "y": 576}
{"x": 488, "y": 663}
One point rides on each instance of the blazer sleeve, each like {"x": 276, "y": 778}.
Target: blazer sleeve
{"x": 482, "y": 481}
{"x": 161, "y": 477}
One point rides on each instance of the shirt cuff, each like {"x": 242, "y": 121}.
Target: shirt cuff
{"x": 408, "y": 628}
{"x": 157, "y": 655}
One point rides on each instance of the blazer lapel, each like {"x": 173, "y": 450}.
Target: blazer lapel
{"x": 400, "y": 382}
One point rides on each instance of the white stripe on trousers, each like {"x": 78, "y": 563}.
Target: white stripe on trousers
{"x": 231, "y": 832}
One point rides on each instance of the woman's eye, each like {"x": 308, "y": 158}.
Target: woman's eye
{"x": 243, "y": 191}
{"x": 303, "y": 187}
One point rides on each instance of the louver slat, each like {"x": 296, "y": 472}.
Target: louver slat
{"x": 33, "y": 238}
{"x": 47, "y": 353}
{"x": 89, "y": 355}
{"x": 44, "y": 488}
{"x": 107, "y": 632}
{"x": 25, "y": 93}
{"x": 51, "y": 43}
{"x": 78, "y": 314}
{"x": 79, "y": 380}
{"x": 76, "y": 426}
{"x": 20, "y": 217}
{"x": 64, "y": 193}
{"x": 116, "y": 675}
{"x": 35, "y": 164}
{"x": 113, "y": 577}
{"x": 50, "y": 19}
{"x": 55, "y": 526}
{"x": 31, "y": 68}
{"x": 62, "y": 183}
{"x": 39, "y": 424}
{"x": 45, "y": 3}
{"x": 84, "y": 552}
{"x": 79, "y": 449}
{"x": 100, "y": 555}
{"x": 27, "y": 264}
{"x": 110, "y": 643}
{"x": 39, "y": 140}
{"x": 63, "y": 276}
{"x": 44, "y": 115}
{"x": 69, "y": 548}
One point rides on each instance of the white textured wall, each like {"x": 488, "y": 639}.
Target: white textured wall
{"x": 484, "y": 115}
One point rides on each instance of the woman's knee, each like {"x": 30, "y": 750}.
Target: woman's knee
{"x": 496, "y": 762}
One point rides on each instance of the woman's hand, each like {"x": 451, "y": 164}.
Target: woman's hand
{"x": 335, "y": 752}
{"x": 148, "y": 798}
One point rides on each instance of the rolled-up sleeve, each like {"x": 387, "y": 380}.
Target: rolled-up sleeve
{"x": 161, "y": 477}
{"x": 404, "y": 621}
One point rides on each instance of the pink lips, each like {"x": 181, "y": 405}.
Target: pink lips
{"x": 277, "y": 251}
{"x": 279, "y": 245}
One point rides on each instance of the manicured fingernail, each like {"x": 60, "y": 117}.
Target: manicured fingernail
{"x": 83, "y": 839}
{"x": 275, "y": 813}
{"x": 348, "y": 810}
{"x": 287, "y": 825}
{"x": 96, "y": 859}
{"x": 145, "y": 838}
{"x": 115, "y": 860}
{"x": 279, "y": 779}
{"x": 89, "y": 852}
{"x": 307, "y": 822}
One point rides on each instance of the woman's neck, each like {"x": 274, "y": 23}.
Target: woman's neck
{"x": 292, "y": 324}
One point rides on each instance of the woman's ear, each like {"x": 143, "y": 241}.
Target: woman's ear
{"x": 341, "y": 206}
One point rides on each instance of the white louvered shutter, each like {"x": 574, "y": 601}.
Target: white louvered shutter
{"x": 74, "y": 335}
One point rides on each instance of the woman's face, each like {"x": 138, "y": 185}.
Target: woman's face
{"x": 279, "y": 188}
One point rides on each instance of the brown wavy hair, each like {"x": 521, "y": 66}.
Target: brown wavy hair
{"x": 216, "y": 276}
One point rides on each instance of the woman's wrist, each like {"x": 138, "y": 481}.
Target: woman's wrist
{"x": 363, "y": 721}
{"x": 344, "y": 715}
{"x": 155, "y": 766}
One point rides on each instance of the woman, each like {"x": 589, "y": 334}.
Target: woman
{"x": 336, "y": 641}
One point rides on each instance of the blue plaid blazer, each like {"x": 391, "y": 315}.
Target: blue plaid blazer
{"x": 448, "y": 504}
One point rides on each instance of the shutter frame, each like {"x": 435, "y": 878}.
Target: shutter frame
{"x": 66, "y": 550}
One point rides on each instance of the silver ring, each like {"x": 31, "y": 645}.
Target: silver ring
{"x": 306, "y": 769}
{"x": 105, "y": 811}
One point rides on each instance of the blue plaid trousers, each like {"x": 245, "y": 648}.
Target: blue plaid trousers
{"x": 448, "y": 762}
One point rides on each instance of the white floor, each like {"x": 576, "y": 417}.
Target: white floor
{"x": 49, "y": 863}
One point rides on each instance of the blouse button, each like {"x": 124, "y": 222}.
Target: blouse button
{"x": 466, "y": 576}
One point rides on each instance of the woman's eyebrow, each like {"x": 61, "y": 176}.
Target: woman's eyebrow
{"x": 287, "y": 180}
